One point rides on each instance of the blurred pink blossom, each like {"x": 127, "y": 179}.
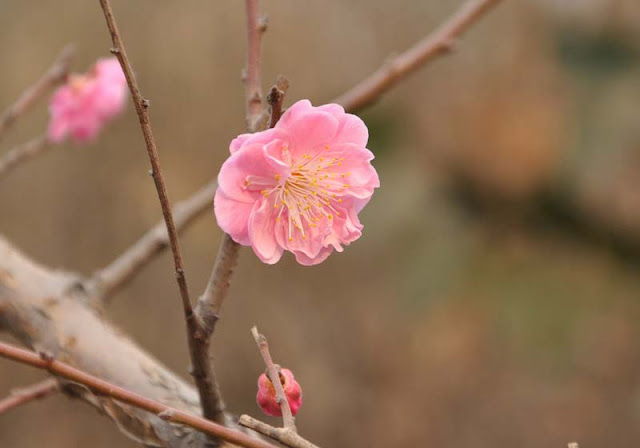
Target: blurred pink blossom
{"x": 299, "y": 186}
{"x": 266, "y": 397}
{"x": 83, "y": 105}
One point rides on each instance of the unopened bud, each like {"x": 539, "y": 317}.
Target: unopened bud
{"x": 266, "y": 397}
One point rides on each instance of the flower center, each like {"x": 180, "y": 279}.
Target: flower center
{"x": 309, "y": 195}
{"x": 78, "y": 82}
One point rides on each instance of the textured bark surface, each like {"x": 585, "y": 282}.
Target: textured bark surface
{"x": 50, "y": 312}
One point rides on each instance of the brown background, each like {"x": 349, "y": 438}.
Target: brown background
{"x": 494, "y": 298}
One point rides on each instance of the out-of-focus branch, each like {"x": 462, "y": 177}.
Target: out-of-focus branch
{"x": 202, "y": 370}
{"x": 111, "y": 278}
{"x": 256, "y": 27}
{"x": 56, "y": 73}
{"x": 46, "y": 311}
{"x": 282, "y": 435}
{"x": 438, "y": 43}
{"x": 273, "y": 372}
{"x": 22, "y": 153}
{"x": 18, "y": 397}
{"x": 103, "y": 388}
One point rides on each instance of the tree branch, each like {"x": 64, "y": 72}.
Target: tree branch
{"x": 255, "y": 30}
{"x": 56, "y": 73}
{"x": 282, "y": 435}
{"x": 111, "y": 278}
{"x": 210, "y": 303}
{"x": 22, "y": 153}
{"x": 18, "y": 397}
{"x": 104, "y": 388}
{"x": 438, "y": 43}
{"x": 202, "y": 370}
{"x": 47, "y": 311}
{"x": 273, "y": 372}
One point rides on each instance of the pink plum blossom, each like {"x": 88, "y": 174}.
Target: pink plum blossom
{"x": 266, "y": 397}
{"x": 86, "y": 102}
{"x": 298, "y": 186}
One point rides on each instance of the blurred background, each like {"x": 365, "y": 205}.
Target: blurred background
{"x": 494, "y": 298}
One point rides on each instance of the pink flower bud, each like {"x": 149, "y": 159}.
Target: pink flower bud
{"x": 266, "y": 397}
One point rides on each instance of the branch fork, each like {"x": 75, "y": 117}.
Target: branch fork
{"x": 288, "y": 434}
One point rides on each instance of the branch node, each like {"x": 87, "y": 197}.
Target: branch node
{"x": 145, "y": 103}
{"x": 167, "y": 414}
{"x": 285, "y": 436}
{"x": 114, "y": 50}
{"x": 46, "y": 356}
{"x": 275, "y": 99}
{"x": 449, "y": 45}
{"x": 263, "y": 23}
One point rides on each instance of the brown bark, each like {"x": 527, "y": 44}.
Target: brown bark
{"x": 50, "y": 312}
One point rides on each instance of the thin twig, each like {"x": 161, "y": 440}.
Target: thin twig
{"x": 438, "y": 43}
{"x": 256, "y": 26}
{"x": 209, "y": 304}
{"x": 56, "y": 73}
{"x": 273, "y": 372}
{"x": 22, "y": 153}
{"x": 282, "y": 435}
{"x": 202, "y": 371}
{"x": 104, "y": 388}
{"x": 21, "y": 396}
{"x": 275, "y": 99}
{"x": 111, "y": 278}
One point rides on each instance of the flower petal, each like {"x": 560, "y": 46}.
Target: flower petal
{"x": 263, "y": 137}
{"x": 233, "y": 217}
{"x": 250, "y": 161}
{"x": 311, "y": 131}
{"x": 351, "y": 129}
{"x": 261, "y": 232}
{"x": 57, "y": 129}
{"x": 309, "y": 261}
{"x": 355, "y": 171}
{"x": 237, "y": 142}
{"x": 293, "y": 112}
